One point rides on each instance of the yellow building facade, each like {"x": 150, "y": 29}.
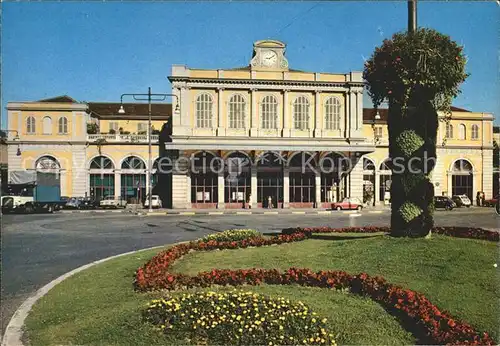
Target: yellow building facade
{"x": 263, "y": 135}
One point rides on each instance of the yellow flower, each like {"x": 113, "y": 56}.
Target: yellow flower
{"x": 281, "y": 327}
{"x": 313, "y": 320}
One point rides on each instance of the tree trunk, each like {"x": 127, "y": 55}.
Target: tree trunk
{"x": 412, "y": 149}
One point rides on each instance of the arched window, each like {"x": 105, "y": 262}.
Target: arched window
{"x": 461, "y": 131}
{"x": 384, "y": 166}
{"x": 237, "y": 111}
{"x": 47, "y": 126}
{"x": 368, "y": 164}
{"x": 301, "y": 113}
{"x": 204, "y": 106}
{"x": 133, "y": 162}
{"x": 475, "y": 132}
{"x": 101, "y": 162}
{"x": 269, "y": 113}
{"x": 332, "y": 114}
{"x": 47, "y": 163}
{"x": 449, "y": 130}
{"x": 462, "y": 166}
{"x": 63, "y": 125}
{"x": 30, "y": 125}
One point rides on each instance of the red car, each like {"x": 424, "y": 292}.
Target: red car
{"x": 491, "y": 202}
{"x": 348, "y": 203}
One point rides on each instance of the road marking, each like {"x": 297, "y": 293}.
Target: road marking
{"x": 298, "y": 212}
{"x": 84, "y": 211}
{"x": 215, "y": 213}
{"x": 324, "y": 212}
{"x": 187, "y": 213}
{"x": 100, "y": 211}
{"x": 354, "y": 215}
{"x": 375, "y": 211}
{"x": 350, "y": 212}
{"x": 243, "y": 213}
{"x": 270, "y": 212}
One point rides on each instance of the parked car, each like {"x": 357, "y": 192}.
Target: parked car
{"x": 348, "y": 203}
{"x": 444, "y": 202}
{"x": 491, "y": 202}
{"x": 155, "y": 202}
{"x": 73, "y": 203}
{"x": 462, "y": 201}
{"x": 112, "y": 202}
{"x": 89, "y": 203}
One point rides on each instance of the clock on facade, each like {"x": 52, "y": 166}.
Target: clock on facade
{"x": 269, "y": 58}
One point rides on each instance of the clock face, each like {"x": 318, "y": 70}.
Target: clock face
{"x": 269, "y": 58}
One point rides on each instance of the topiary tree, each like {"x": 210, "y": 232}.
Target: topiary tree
{"x": 419, "y": 74}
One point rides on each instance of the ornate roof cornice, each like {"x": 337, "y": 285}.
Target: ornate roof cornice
{"x": 231, "y": 82}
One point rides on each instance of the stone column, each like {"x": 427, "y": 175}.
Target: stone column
{"x": 286, "y": 187}
{"x": 118, "y": 183}
{"x": 376, "y": 194}
{"x": 254, "y": 122}
{"x": 317, "y": 114}
{"x": 286, "y": 114}
{"x": 253, "y": 186}
{"x": 356, "y": 179}
{"x": 317, "y": 186}
{"x": 488, "y": 174}
{"x": 220, "y": 127}
{"x": 359, "y": 112}
{"x": 220, "y": 190}
{"x": 352, "y": 114}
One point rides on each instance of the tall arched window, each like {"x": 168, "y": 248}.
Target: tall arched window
{"x": 47, "y": 125}
{"x": 269, "y": 113}
{"x": 30, "y": 125}
{"x": 101, "y": 162}
{"x": 475, "y": 132}
{"x": 332, "y": 114}
{"x": 63, "y": 125}
{"x": 237, "y": 111}
{"x": 461, "y": 131}
{"x": 301, "y": 113}
{"x": 449, "y": 130}
{"x": 204, "y": 106}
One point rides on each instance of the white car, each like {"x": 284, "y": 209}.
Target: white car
{"x": 462, "y": 201}
{"x": 155, "y": 202}
{"x": 112, "y": 202}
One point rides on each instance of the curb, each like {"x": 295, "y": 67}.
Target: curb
{"x": 14, "y": 331}
{"x": 295, "y": 212}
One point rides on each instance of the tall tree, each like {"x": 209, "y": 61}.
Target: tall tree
{"x": 419, "y": 73}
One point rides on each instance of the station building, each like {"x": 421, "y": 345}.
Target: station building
{"x": 289, "y": 134}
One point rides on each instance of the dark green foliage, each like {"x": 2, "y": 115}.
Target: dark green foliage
{"x": 419, "y": 73}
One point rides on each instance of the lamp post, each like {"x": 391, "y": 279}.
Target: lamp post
{"x": 412, "y": 15}
{"x": 18, "y": 153}
{"x": 149, "y": 97}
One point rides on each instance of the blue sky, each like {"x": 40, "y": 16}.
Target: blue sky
{"x": 95, "y": 51}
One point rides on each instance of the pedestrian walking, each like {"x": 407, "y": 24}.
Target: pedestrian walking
{"x": 478, "y": 199}
{"x": 269, "y": 202}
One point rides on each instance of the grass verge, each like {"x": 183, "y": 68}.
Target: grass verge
{"x": 99, "y": 305}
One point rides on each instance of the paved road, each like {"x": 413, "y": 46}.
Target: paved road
{"x": 38, "y": 248}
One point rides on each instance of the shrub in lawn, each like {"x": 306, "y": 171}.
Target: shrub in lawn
{"x": 238, "y": 318}
{"x": 232, "y": 235}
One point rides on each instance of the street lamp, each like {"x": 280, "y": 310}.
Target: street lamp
{"x": 149, "y": 97}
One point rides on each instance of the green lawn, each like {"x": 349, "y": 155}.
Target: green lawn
{"x": 99, "y": 306}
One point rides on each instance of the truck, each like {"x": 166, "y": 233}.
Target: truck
{"x": 32, "y": 192}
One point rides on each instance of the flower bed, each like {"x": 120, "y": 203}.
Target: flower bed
{"x": 238, "y": 318}
{"x": 438, "y": 325}
{"x": 232, "y": 235}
